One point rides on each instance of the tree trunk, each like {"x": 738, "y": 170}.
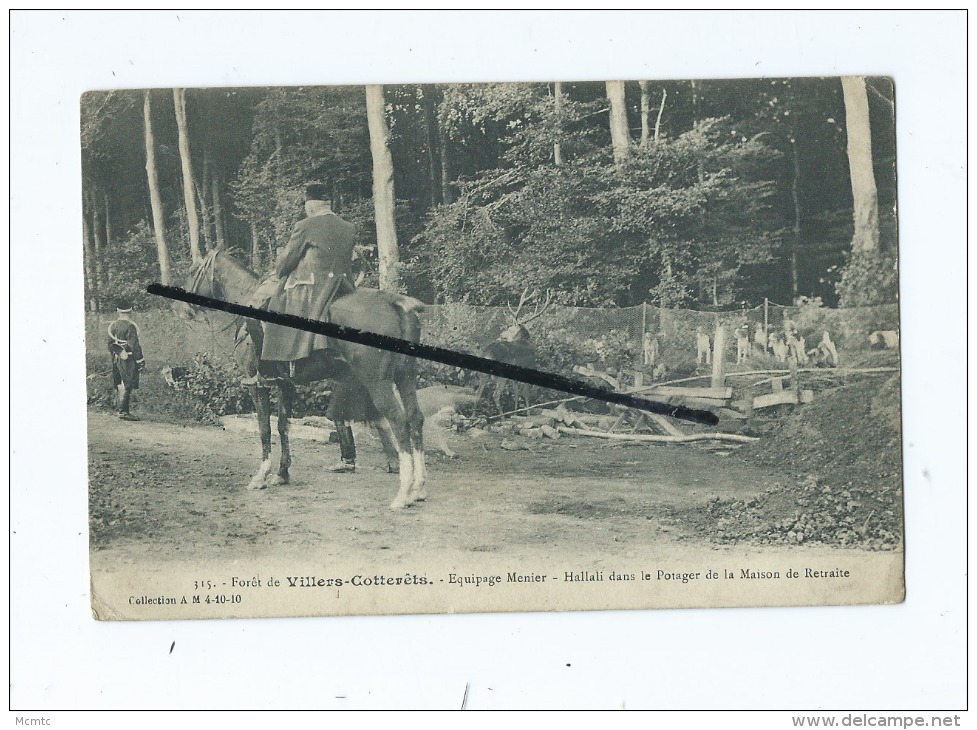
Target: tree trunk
{"x": 159, "y": 225}
{"x": 97, "y": 232}
{"x": 558, "y": 103}
{"x": 430, "y": 129}
{"x": 620, "y": 137}
{"x": 202, "y": 190}
{"x": 193, "y": 225}
{"x": 645, "y": 113}
{"x": 796, "y": 240}
{"x": 215, "y": 199}
{"x": 864, "y": 194}
{"x": 89, "y": 263}
{"x": 447, "y": 195}
{"x": 661, "y": 110}
{"x": 255, "y": 248}
{"x": 383, "y": 189}
{"x": 108, "y": 220}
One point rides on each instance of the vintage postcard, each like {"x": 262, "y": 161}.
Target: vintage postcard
{"x": 723, "y": 247}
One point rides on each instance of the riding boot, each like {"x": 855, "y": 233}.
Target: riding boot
{"x": 347, "y": 450}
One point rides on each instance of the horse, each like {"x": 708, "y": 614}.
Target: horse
{"x": 372, "y": 385}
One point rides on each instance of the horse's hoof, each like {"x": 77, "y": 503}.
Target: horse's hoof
{"x": 277, "y": 480}
{"x": 256, "y": 485}
{"x": 398, "y": 504}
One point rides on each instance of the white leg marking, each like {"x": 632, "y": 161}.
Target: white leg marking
{"x": 258, "y": 481}
{"x": 420, "y": 476}
{"x": 404, "y": 496}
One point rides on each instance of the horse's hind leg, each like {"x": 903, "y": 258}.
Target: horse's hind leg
{"x": 407, "y": 388}
{"x": 286, "y": 396}
{"x": 389, "y": 450}
{"x": 262, "y": 404}
{"x": 393, "y": 418}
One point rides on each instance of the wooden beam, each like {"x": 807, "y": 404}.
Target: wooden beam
{"x": 717, "y": 393}
{"x": 665, "y": 424}
{"x": 644, "y": 438}
{"x": 782, "y": 397}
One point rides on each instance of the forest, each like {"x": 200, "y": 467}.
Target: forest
{"x": 697, "y": 194}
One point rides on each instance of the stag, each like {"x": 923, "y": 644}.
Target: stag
{"x": 513, "y": 347}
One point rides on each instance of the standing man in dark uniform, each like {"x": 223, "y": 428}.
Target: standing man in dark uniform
{"x": 127, "y": 357}
{"x": 312, "y": 270}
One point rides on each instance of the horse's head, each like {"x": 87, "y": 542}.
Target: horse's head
{"x": 201, "y": 281}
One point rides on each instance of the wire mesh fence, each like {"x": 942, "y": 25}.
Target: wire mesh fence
{"x": 660, "y": 343}
{"x": 663, "y": 342}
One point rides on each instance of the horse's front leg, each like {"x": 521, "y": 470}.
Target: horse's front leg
{"x": 262, "y": 404}
{"x": 286, "y": 396}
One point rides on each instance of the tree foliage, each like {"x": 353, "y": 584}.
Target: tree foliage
{"x": 743, "y": 193}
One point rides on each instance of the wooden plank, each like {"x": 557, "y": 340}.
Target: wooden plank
{"x": 727, "y": 413}
{"x": 676, "y": 400}
{"x": 717, "y": 393}
{"x": 665, "y": 425}
{"x": 647, "y": 438}
{"x": 774, "y": 399}
{"x": 777, "y": 384}
{"x": 784, "y": 396}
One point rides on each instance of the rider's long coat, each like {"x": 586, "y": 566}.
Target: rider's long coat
{"x": 313, "y": 269}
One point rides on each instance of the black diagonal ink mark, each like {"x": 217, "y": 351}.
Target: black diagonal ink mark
{"x": 439, "y": 354}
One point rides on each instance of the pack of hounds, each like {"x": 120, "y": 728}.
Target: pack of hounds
{"x": 762, "y": 340}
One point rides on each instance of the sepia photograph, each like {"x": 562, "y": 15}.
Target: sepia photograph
{"x": 723, "y": 245}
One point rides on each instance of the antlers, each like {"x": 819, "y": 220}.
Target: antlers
{"x": 526, "y": 298}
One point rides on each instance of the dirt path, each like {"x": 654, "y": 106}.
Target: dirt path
{"x": 162, "y": 490}
{"x": 163, "y": 494}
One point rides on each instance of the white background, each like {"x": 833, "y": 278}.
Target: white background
{"x": 868, "y": 658}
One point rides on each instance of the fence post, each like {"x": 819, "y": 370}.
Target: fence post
{"x": 795, "y": 380}
{"x": 766, "y": 323}
{"x": 639, "y": 371}
{"x": 719, "y": 357}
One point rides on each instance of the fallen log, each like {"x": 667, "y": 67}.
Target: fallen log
{"x": 645, "y": 438}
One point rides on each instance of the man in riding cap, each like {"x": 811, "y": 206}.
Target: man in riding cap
{"x": 127, "y": 357}
{"x": 312, "y": 270}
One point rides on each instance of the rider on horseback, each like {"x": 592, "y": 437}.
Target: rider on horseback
{"x": 310, "y": 273}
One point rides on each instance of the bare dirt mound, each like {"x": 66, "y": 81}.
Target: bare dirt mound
{"x": 843, "y": 453}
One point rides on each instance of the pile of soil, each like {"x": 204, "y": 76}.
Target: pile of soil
{"x": 842, "y": 455}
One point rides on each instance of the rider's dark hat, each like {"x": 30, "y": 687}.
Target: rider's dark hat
{"x": 317, "y": 191}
